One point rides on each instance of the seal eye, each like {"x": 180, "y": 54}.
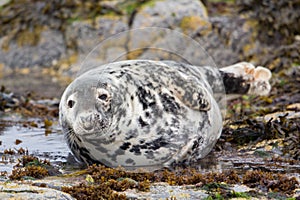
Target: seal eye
{"x": 103, "y": 97}
{"x": 71, "y": 103}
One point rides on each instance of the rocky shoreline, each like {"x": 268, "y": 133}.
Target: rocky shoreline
{"x": 43, "y": 46}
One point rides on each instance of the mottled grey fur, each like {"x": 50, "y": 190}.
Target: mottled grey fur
{"x": 142, "y": 113}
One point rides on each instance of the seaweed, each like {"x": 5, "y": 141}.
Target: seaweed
{"x": 103, "y": 182}
{"x": 28, "y": 171}
{"x": 270, "y": 182}
{"x": 30, "y": 166}
{"x": 253, "y": 119}
{"x": 26, "y": 106}
{"x": 89, "y": 192}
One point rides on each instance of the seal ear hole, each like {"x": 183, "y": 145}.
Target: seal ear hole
{"x": 71, "y": 103}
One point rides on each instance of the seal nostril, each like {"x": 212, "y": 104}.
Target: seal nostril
{"x": 71, "y": 103}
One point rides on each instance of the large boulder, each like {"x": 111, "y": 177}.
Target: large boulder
{"x": 83, "y": 36}
{"x": 88, "y": 39}
{"x": 214, "y": 39}
{"x": 183, "y": 16}
{"x": 50, "y": 47}
{"x": 167, "y": 13}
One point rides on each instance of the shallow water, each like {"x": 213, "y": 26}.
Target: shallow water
{"x": 45, "y": 143}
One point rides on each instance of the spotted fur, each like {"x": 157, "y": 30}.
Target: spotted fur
{"x": 142, "y": 113}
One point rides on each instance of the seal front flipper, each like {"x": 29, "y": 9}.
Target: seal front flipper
{"x": 194, "y": 95}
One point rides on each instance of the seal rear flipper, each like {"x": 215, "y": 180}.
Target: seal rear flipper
{"x": 244, "y": 78}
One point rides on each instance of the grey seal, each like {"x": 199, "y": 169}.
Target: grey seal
{"x": 150, "y": 114}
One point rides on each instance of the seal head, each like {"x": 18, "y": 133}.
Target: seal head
{"x": 85, "y": 112}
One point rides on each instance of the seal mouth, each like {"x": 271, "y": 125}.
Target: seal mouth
{"x": 92, "y": 124}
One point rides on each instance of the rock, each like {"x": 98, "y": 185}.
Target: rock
{"x": 241, "y": 188}
{"x": 171, "y": 45}
{"x": 290, "y": 114}
{"x": 85, "y": 36}
{"x": 219, "y": 39}
{"x": 3, "y": 2}
{"x": 24, "y": 192}
{"x": 183, "y": 16}
{"x": 167, "y": 13}
{"x": 277, "y": 20}
{"x": 49, "y": 48}
{"x": 225, "y": 42}
{"x": 8, "y": 101}
{"x": 166, "y": 191}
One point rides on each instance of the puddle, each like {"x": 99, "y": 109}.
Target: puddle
{"x": 16, "y": 135}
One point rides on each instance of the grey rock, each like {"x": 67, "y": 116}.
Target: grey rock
{"x": 226, "y": 41}
{"x": 80, "y": 36}
{"x": 176, "y": 46}
{"x": 86, "y": 35}
{"x": 180, "y": 192}
{"x": 3, "y": 2}
{"x": 217, "y": 50}
{"x": 166, "y": 44}
{"x": 221, "y": 40}
{"x": 51, "y": 47}
{"x": 28, "y": 192}
{"x": 215, "y": 40}
{"x": 165, "y": 191}
{"x": 90, "y": 40}
{"x": 167, "y": 13}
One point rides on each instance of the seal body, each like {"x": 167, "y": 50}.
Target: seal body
{"x": 141, "y": 113}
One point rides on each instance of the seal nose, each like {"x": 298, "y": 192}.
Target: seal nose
{"x": 88, "y": 122}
